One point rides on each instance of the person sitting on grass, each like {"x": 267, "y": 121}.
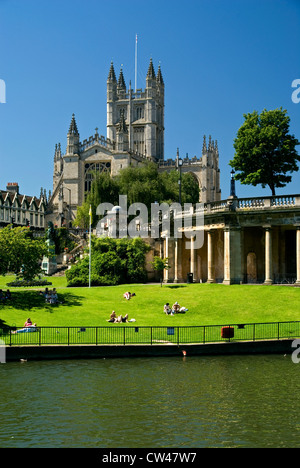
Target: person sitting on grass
{"x": 167, "y": 309}
{"x": 112, "y": 317}
{"x": 8, "y": 295}
{"x": 2, "y": 297}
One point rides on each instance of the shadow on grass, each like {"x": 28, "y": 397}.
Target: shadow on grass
{"x": 176, "y": 286}
{"x": 27, "y": 300}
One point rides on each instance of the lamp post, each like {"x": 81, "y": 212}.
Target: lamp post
{"x": 232, "y": 185}
{"x": 179, "y": 163}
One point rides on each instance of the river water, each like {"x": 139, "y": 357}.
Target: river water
{"x": 188, "y": 402}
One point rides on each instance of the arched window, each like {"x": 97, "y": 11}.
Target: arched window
{"x": 91, "y": 169}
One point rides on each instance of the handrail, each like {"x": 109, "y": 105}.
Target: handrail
{"x": 132, "y": 334}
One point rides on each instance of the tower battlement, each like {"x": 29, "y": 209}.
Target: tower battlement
{"x": 142, "y": 112}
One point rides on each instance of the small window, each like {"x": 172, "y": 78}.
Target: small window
{"x": 139, "y": 112}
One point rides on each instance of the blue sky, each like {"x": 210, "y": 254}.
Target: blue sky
{"x": 220, "y": 59}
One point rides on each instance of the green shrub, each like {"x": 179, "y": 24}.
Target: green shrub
{"x": 114, "y": 261}
{"x": 24, "y": 283}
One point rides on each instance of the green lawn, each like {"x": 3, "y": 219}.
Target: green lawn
{"x": 208, "y": 304}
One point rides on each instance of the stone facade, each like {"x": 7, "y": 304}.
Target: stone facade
{"x": 254, "y": 240}
{"x": 135, "y": 134}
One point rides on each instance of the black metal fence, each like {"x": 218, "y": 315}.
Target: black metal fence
{"x": 125, "y": 334}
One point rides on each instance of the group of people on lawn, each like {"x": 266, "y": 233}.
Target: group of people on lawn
{"x": 175, "y": 309}
{"x": 51, "y": 297}
{"x": 114, "y": 318}
{"x": 168, "y": 310}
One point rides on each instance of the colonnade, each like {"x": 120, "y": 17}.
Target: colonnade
{"x": 233, "y": 261}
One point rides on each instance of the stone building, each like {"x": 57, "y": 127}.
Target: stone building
{"x": 21, "y": 210}
{"x": 135, "y": 134}
{"x": 253, "y": 240}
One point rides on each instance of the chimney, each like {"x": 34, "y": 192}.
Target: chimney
{"x": 12, "y": 187}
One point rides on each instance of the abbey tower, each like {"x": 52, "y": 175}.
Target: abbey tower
{"x": 135, "y": 135}
{"x": 135, "y": 120}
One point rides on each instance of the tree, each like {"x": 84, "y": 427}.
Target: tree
{"x": 170, "y": 187}
{"x": 265, "y": 151}
{"x": 104, "y": 189}
{"x": 20, "y": 253}
{"x": 143, "y": 184}
{"x": 113, "y": 261}
{"x": 140, "y": 184}
{"x": 160, "y": 264}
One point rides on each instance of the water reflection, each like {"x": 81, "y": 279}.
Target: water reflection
{"x": 248, "y": 401}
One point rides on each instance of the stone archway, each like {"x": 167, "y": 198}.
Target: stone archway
{"x": 251, "y": 268}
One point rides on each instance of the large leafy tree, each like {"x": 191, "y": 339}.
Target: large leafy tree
{"x": 265, "y": 151}
{"x": 113, "y": 261}
{"x": 144, "y": 184}
{"x": 104, "y": 189}
{"x": 20, "y": 253}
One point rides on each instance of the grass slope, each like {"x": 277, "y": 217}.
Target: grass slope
{"x": 208, "y": 304}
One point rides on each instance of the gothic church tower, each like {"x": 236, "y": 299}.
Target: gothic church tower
{"x": 135, "y": 119}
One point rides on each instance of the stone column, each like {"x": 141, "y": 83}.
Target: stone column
{"x": 268, "y": 257}
{"x": 176, "y": 261}
{"x": 166, "y": 255}
{"x": 192, "y": 264}
{"x": 226, "y": 256}
{"x": 298, "y": 255}
{"x": 233, "y": 271}
{"x": 210, "y": 259}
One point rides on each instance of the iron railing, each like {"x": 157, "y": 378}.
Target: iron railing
{"x": 128, "y": 334}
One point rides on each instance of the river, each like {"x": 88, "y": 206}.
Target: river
{"x": 176, "y": 402}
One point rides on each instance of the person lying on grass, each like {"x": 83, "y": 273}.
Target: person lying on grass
{"x": 178, "y": 310}
{"x": 128, "y": 295}
{"x": 27, "y": 329}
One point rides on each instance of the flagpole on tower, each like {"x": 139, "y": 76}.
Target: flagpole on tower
{"x": 135, "y": 62}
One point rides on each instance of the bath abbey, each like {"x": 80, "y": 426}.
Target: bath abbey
{"x": 134, "y": 135}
